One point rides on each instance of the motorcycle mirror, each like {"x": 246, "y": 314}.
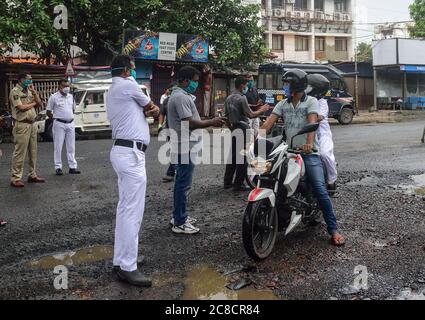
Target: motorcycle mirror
{"x": 311, "y": 127}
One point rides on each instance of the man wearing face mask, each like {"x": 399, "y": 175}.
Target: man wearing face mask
{"x": 61, "y": 107}
{"x": 238, "y": 113}
{"x": 127, "y": 108}
{"x": 254, "y": 103}
{"x": 183, "y": 120}
{"x": 23, "y": 100}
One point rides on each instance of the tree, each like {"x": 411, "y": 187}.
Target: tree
{"x": 96, "y": 26}
{"x": 417, "y": 12}
{"x": 364, "y": 52}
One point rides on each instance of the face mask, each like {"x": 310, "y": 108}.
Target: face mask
{"x": 287, "y": 90}
{"x": 193, "y": 85}
{"x": 251, "y": 84}
{"x": 66, "y": 90}
{"x": 26, "y": 83}
{"x": 245, "y": 90}
{"x": 133, "y": 74}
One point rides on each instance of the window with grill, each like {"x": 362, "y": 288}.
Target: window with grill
{"x": 300, "y": 4}
{"x": 341, "y": 44}
{"x": 277, "y": 42}
{"x": 301, "y": 43}
{"x": 320, "y": 44}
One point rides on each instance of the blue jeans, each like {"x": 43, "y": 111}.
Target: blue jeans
{"x": 316, "y": 178}
{"x": 184, "y": 175}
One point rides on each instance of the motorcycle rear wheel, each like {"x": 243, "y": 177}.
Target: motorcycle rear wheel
{"x": 259, "y": 229}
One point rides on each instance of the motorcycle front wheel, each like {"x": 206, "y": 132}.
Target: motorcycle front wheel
{"x": 259, "y": 229}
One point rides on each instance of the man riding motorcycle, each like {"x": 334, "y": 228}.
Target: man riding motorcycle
{"x": 297, "y": 111}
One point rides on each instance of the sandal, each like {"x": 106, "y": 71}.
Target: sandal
{"x": 2, "y": 223}
{"x": 337, "y": 240}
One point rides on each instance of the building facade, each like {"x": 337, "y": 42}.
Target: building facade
{"x": 309, "y": 30}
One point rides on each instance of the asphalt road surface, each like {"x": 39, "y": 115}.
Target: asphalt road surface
{"x": 70, "y": 221}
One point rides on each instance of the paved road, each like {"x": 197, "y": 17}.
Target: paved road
{"x": 383, "y": 225}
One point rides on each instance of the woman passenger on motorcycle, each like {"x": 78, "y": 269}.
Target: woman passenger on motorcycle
{"x": 297, "y": 111}
{"x": 318, "y": 87}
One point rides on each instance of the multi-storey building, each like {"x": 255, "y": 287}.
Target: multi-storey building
{"x": 309, "y": 30}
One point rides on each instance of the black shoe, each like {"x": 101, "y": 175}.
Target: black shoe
{"x": 167, "y": 179}
{"x": 141, "y": 261}
{"x": 242, "y": 188}
{"x": 332, "y": 189}
{"x": 135, "y": 278}
{"x": 59, "y": 172}
{"x": 74, "y": 171}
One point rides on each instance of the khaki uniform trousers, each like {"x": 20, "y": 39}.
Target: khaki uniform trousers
{"x": 25, "y": 136}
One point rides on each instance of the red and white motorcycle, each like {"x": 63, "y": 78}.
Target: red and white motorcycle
{"x": 282, "y": 199}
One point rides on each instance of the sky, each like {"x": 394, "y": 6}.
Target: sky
{"x": 380, "y": 11}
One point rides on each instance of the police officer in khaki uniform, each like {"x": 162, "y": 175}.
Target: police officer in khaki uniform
{"x": 23, "y": 100}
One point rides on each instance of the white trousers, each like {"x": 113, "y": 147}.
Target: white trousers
{"x": 255, "y": 127}
{"x": 326, "y": 146}
{"x": 64, "y": 132}
{"x": 129, "y": 164}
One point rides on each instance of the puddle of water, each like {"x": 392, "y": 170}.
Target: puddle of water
{"x": 418, "y": 186}
{"x": 73, "y": 258}
{"x": 205, "y": 283}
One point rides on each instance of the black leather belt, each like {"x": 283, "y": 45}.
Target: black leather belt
{"x": 65, "y": 121}
{"x": 130, "y": 144}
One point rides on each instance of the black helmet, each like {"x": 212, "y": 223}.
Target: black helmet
{"x": 318, "y": 85}
{"x": 297, "y": 80}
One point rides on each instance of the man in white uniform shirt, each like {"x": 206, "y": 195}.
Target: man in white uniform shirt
{"x": 61, "y": 107}
{"x": 127, "y": 108}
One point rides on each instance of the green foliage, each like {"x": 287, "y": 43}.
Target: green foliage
{"x": 364, "y": 52}
{"x": 417, "y": 12}
{"x": 96, "y": 25}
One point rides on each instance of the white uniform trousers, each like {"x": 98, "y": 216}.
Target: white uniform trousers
{"x": 255, "y": 127}
{"x": 64, "y": 132}
{"x": 326, "y": 146}
{"x": 129, "y": 164}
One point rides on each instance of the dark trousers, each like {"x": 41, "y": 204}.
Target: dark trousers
{"x": 171, "y": 171}
{"x": 237, "y": 165}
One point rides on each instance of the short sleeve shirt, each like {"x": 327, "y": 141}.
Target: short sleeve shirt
{"x": 181, "y": 106}
{"x": 236, "y": 108}
{"x": 296, "y": 118}
{"x": 125, "y": 104}
{"x": 18, "y": 96}
{"x": 62, "y": 106}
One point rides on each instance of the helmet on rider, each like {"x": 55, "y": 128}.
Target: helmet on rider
{"x": 318, "y": 85}
{"x": 297, "y": 80}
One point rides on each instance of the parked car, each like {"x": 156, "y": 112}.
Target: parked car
{"x": 341, "y": 103}
{"x": 90, "y": 113}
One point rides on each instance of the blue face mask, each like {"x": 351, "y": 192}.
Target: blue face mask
{"x": 245, "y": 90}
{"x": 133, "y": 74}
{"x": 26, "y": 83}
{"x": 287, "y": 90}
{"x": 251, "y": 84}
{"x": 192, "y": 87}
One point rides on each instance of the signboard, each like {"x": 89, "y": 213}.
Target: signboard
{"x": 167, "y": 46}
{"x": 149, "y": 45}
{"x": 413, "y": 69}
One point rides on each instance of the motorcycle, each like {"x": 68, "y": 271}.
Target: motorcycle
{"x": 282, "y": 198}
{"x": 6, "y": 125}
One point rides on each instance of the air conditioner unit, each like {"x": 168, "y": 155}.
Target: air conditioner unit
{"x": 290, "y": 1}
{"x": 307, "y": 15}
{"x": 347, "y": 17}
{"x": 337, "y": 17}
{"x": 278, "y": 13}
{"x": 298, "y": 14}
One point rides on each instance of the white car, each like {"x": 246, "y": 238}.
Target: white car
{"x": 90, "y": 113}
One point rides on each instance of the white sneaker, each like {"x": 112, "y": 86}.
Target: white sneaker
{"x": 186, "y": 228}
{"x": 188, "y": 220}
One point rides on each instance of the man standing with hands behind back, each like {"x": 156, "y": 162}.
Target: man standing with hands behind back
{"x": 23, "y": 100}
{"x": 128, "y": 108}
{"x": 61, "y": 107}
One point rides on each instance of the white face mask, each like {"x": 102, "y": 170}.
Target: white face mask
{"x": 66, "y": 90}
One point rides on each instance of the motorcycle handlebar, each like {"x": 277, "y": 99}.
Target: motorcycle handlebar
{"x": 300, "y": 151}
